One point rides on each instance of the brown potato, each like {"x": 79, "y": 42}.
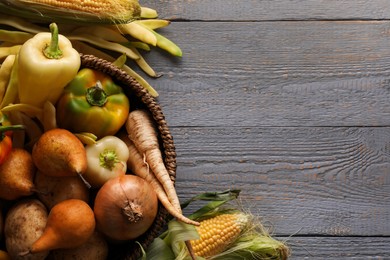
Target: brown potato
{"x": 52, "y": 190}
{"x": 24, "y": 224}
{"x": 96, "y": 248}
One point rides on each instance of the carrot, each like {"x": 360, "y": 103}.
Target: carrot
{"x": 140, "y": 167}
{"x": 142, "y": 133}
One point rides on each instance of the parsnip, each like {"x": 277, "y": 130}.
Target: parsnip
{"x": 142, "y": 133}
{"x": 139, "y": 167}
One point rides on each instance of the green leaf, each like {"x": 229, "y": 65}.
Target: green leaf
{"x": 178, "y": 232}
{"x": 143, "y": 257}
{"x": 158, "y": 250}
{"x": 255, "y": 246}
{"x": 173, "y": 239}
{"x": 211, "y": 209}
{"x": 216, "y": 199}
{"x": 171, "y": 244}
{"x": 226, "y": 195}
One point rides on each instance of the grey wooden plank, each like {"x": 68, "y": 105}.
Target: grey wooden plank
{"x": 313, "y": 181}
{"x": 276, "y": 74}
{"x": 257, "y": 10}
{"x": 356, "y": 248}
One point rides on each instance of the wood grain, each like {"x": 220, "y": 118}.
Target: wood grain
{"x": 327, "y": 181}
{"x": 357, "y": 248}
{"x": 276, "y": 74}
{"x": 260, "y": 10}
{"x": 287, "y": 100}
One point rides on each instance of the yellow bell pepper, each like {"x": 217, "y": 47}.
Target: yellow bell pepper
{"x": 47, "y": 63}
{"x": 92, "y": 102}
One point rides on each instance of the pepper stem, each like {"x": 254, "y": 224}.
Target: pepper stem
{"x": 52, "y": 50}
{"x": 6, "y": 128}
{"x": 96, "y": 96}
{"x": 108, "y": 159}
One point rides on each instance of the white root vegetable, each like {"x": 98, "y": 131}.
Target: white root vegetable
{"x": 139, "y": 167}
{"x": 142, "y": 133}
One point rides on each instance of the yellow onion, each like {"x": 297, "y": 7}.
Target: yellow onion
{"x": 125, "y": 207}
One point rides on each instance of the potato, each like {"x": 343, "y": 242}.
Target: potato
{"x": 96, "y": 248}
{"x": 52, "y": 190}
{"x": 24, "y": 224}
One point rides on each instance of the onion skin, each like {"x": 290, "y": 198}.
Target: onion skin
{"x": 125, "y": 207}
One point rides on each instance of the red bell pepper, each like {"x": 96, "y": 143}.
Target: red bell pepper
{"x": 6, "y": 136}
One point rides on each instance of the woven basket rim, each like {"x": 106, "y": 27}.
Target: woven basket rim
{"x": 131, "y": 250}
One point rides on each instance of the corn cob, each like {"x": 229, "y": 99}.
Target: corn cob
{"x": 93, "y": 11}
{"x": 218, "y": 233}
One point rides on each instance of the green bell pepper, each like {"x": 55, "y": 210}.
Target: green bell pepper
{"x": 92, "y": 103}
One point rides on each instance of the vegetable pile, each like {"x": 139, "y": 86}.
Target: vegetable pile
{"x": 78, "y": 182}
{"x": 81, "y": 167}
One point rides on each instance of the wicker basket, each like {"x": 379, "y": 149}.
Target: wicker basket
{"x": 139, "y": 98}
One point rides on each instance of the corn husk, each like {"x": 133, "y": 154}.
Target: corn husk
{"x": 254, "y": 241}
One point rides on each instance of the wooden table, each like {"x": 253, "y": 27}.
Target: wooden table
{"x": 288, "y": 101}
